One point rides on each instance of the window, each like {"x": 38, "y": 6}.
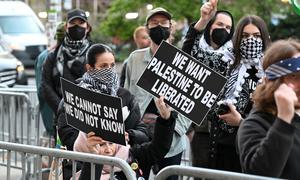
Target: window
{"x": 18, "y": 25}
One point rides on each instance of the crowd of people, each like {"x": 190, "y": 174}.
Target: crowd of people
{"x": 253, "y": 126}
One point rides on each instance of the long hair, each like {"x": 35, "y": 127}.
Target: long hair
{"x": 238, "y": 35}
{"x": 209, "y": 24}
{"x": 263, "y": 96}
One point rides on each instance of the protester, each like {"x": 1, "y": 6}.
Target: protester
{"x": 101, "y": 76}
{"x": 142, "y": 40}
{"x": 250, "y": 40}
{"x": 141, "y": 37}
{"x": 269, "y": 138}
{"x": 140, "y": 157}
{"x": 158, "y": 24}
{"x": 46, "y": 112}
{"x": 209, "y": 41}
{"x": 67, "y": 60}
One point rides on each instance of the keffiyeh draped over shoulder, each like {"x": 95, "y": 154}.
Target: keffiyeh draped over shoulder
{"x": 72, "y": 54}
{"x": 217, "y": 59}
{"x": 237, "y": 78}
{"x": 237, "y": 89}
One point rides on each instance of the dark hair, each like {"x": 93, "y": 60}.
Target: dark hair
{"x": 94, "y": 51}
{"x": 209, "y": 24}
{"x": 238, "y": 35}
{"x": 88, "y": 34}
{"x": 263, "y": 96}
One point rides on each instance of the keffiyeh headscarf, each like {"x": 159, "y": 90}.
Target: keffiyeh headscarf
{"x": 72, "y": 53}
{"x": 101, "y": 80}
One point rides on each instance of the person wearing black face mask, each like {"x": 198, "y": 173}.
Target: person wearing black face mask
{"x": 250, "y": 39}
{"x": 209, "y": 41}
{"x": 219, "y": 36}
{"x": 158, "y": 24}
{"x": 76, "y": 32}
{"x": 159, "y": 33}
{"x": 67, "y": 61}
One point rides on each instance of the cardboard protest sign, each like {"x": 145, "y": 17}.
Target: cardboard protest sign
{"x": 190, "y": 87}
{"x": 91, "y": 111}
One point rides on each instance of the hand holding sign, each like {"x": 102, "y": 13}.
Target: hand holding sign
{"x": 186, "y": 85}
{"x": 92, "y": 142}
{"x": 89, "y": 111}
{"x": 163, "y": 108}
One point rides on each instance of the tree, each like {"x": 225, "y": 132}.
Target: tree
{"x": 115, "y": 23}
{"x": 288, "y": 27}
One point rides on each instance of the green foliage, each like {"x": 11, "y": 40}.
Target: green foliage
{"x": 286, "y": 28}
{"x": 262, "y": 8}
{"x": 115, "y": 24}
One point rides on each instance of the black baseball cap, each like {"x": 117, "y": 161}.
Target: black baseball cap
{"x": 158, "y": 10}
{"x": 76, "y": 13}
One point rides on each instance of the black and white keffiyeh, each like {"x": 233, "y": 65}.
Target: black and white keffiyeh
{"x": 75, "y": 48}
{"x": 251, "y": 48}
{"x": 237, "y": 90}
{"x": 103, "y": 80}
{"x": 237, "y": 78}
{"x": 217, "y": 59}
{"x": 72, "y": 53}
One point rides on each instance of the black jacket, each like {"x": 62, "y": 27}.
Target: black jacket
{"x": 145, "y": 154}
{"x": 133, "y": 125}
{"x": 50, "y": 83}
{"x": 190, "y": 38}
{"x": 269, "y": 146}
{"x": 221, "y": 152}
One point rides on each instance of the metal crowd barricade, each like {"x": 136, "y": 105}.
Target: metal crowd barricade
{"x": 20, "y": 122}
{"x": 19, "y": 115}
{"x": 26, "y": 150}
{"x": 204, "y": 173}
{"x": 23, "y": 108}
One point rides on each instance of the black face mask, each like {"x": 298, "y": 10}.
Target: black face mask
{"x": 76, "y": 33}
{"x": 219, "y": 36}
{"x": 159, "y": 33}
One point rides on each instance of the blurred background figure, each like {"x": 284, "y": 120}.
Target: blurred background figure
{"x": 46, "y": 112}
{"x": 142, "y": 40}
{"x": 141, "y": 37}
